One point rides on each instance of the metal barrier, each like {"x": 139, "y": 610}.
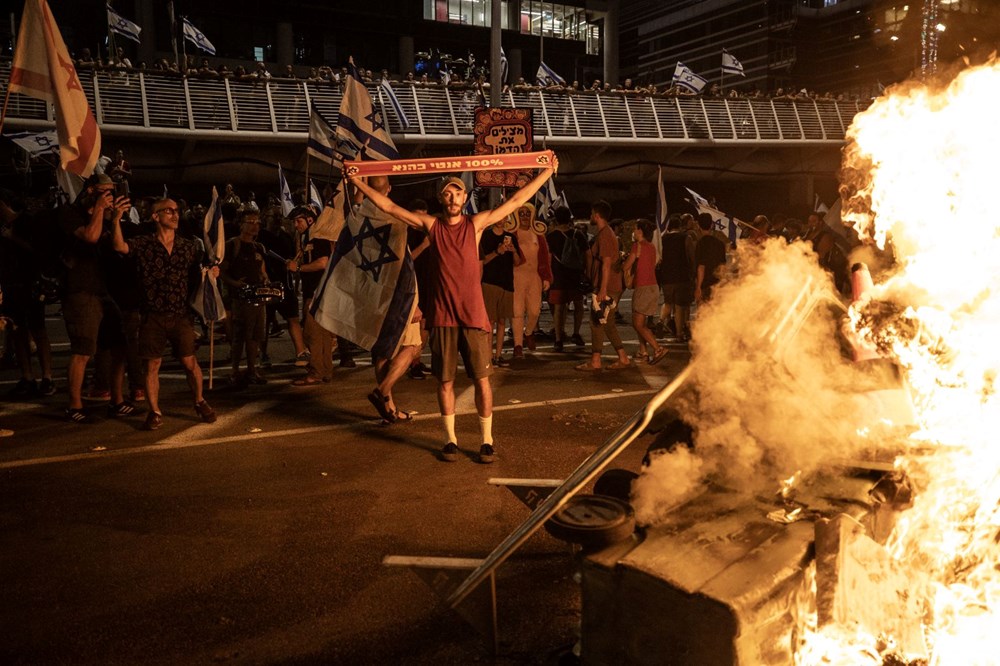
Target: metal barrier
{"x": 164, "y": 103}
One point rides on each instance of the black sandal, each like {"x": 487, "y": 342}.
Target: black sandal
{"x": 381, "y": 404}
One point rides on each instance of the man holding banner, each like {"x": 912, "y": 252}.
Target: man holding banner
{"x": 454, "y": 308}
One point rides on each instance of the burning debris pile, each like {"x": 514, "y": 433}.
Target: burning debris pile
{"x": 920, "y": 170}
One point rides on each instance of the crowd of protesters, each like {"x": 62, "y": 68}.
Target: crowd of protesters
{"x": 468, "y": 77}
{"x": 126, "y": 282}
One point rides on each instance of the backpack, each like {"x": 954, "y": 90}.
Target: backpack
{"x": 572, "y": 254}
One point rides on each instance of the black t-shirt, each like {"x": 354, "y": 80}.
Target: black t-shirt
{"x": 711, "y": 253}
{"x": 500, "y": 270}
{"x": 675, "y": 265}
{"x": 84, "y": 272}
{"x": 564, "y": 277}
{"x": 313, "y": 249}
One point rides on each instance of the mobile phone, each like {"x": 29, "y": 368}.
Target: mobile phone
{"x": 507, "y": 241}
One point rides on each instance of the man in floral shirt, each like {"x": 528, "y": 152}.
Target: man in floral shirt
{"x": 169, "y": 268}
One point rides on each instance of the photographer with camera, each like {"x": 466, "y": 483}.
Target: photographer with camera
{"x": 93, "y": 320}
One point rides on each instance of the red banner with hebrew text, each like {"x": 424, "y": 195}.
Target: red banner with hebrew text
{"x": 537, "y": 160}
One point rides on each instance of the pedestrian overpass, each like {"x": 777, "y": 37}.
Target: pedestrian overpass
{"x": 189, "y": 129}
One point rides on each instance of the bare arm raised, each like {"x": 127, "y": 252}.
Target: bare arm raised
{"x": 418, "y": 220}
{"x": 488, "y": 217}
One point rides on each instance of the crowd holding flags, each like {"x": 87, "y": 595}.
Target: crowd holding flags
{"x": 42, "y": 68}
{"x": 197, "y": 37}
{"x": 120, "y": 25}
{"x": 727, "y": 224}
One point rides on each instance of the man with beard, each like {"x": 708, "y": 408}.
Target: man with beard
{"x": 454, "y": 307}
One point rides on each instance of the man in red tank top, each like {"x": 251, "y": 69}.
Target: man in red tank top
{"x": 455, "y": 313}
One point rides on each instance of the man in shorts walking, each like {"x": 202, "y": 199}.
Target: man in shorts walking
{"x": 169, "y": 270}
{"x": 454, "y": 307}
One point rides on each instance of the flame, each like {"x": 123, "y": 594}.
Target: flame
{"x": 922, "y": 164}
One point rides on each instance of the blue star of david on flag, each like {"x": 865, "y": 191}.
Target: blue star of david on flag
{"x": 198, "y": 38}
{"x": 375, "y": 118}
{"x": 380, "y": 236}
{"x": 122, "y": 26}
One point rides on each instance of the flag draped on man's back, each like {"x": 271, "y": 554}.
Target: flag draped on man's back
{"x": 360, "y": 123}
{"x": 368, "y": 292}
{"x": 43, "y": 69}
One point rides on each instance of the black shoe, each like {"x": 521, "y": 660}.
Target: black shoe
{"x": 501, "y": 362}
{"x": 24, "y": 388}
{"x": 347, "y": 362}
{"x": 78, "y": 416}
{"x": 417, "y": 372}
{"x": 124, "y": 408}
{"x": 265, "y": 361}
{"x": 487, "y": 454}
{"x": 153, "y": 421}
{"x": 557, "y": 346}
{"x": 577, "y": 340}
{"x": 47, "y": 387}
{"x": 450, "y": 452}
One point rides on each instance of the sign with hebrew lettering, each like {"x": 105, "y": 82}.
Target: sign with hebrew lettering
{"x": 500, "y": 131}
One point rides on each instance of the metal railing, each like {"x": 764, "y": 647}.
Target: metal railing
{"x": 165, "y": 104}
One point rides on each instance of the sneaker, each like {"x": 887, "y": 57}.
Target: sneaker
{"x": 302, "y": 359}
{"x": 78, "y": 416}
{"x": 557, "y": 346}
{"x": 124, "y": 408}
{"x": 450, "y": 452}
{"x": 518, "y": 351}
{"x": 153, "y": 421}
{"x": 25, "y": 388}
{"x": 265, "y": 361}
{"x": 138, "y": 395}
{"x": 205, "y": 411}
{"x": 529, "y": 341}
{"x": 501, "y": 362}
{"x": 577, "y": 340}
{"x": 347, "y": 362}
{"x": 487, "y": 454}
{"x": 417, "y": 371}
{"x": 47, "y": 387}
{"x": 97, "y": 395}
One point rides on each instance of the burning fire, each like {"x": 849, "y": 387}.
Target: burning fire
{"x": 922, "y": 162}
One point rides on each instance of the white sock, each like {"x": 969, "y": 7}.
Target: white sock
{"x": 486, "y": 426}
{"x": 449, "y": 428}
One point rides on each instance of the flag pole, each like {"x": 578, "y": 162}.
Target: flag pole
{"x": 173, "y": 29}
{"x": 211, "y": 352}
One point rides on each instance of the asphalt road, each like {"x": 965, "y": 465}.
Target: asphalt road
{"x": 260, "y": 539}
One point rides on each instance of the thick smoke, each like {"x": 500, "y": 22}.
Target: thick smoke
{"x": 763, "y": 405}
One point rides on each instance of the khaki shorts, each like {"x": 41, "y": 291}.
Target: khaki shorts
{"x": 473, "y": 344}
{"x": 645, "y": 300}
{"x": 157, "y": 329}
{"x": 499, "y": 302}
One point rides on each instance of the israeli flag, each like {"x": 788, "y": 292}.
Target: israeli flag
{"x": 730, "y": 65}
{"x": 547, "y": 200}
{"x": 471, "y": 207}
{"x": 286, "y": 194}
{"x": 36, "y": 145}
{"x": 121, "y": 25}
{"x": 396, "y": 106}
{"x": 685, "y": 78}
{"x": 661, "y": 215}
{"x": 360, "y": 123}
{"x": 207, "y": 300}
{"x": 546, "y": 76}
{"x": 197, "y": 37}
{"x": 727, "y": 224}
{"x": 314, "y": 198}
{"x": 368, "y": 293}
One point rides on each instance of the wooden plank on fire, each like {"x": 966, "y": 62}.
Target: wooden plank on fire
{"x": 859, "y": 584}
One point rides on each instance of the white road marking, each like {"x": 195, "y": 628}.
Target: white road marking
{"x": 186, "y": 439}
